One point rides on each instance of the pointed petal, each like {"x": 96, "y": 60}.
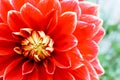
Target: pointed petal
{"x": 84, "y": 31}
{"x": 92, "y": 20}
{"x": 5, "y": 6}
{"x": 5, "y": 32}
{"x": 97, "y": 66}
{"x": 12, "y": 68}
{"x": 52, "y": 21}
{"x": 81, "y": 73}
{"x": 28, "y": 67}
{"x": 76, "y": 58}
{"x": 65, "y": 43}
{"x": 88, "y": 49}
{"x": 34, "y": 75}
{"x": 61, "y": 60}
{"x": 92, "y": 71}
{"x": 43, "y": 75}
{"x": 33, "y": 21}
{"x": 49, "y": 66}
{"x": 88, "y": 8}
{"x": 5, "y": 61}
{"x": 66, "y": 24}
{"x": 15, "y": 21}
{"x": 53, "y": 4}
{"x": 71, "y": 5}
{"x": 17, "y": 4}
{"x": 63, "y": 75}
{"x": 97, "y": 38}
{"x": 6, "y": 46}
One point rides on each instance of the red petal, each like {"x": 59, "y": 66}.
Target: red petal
{"x": 61, "y": 60}
{"x": 71, "y": 5}
{"x": 33, "y": 21}
{"x": 92, "y": 71}
{"x": 15, "y": 21}
{"x": 81, "y": 73}
{"x": 66, "y": 24}
{"x": 92, "y": 20}
{"x": 17, "y": 4}
{"x": 28, "y": 67}
{"x": 88, "y": 8}
{"x": 76, "y": 58}
{"x": 88, "y": 49}
{"x": 42, "y": 73}
{"x": 99, "y": 35}
{"x": 52, "y": 21}
{"x": 5, "y": 6}
{"x": 5, "y": 61}
{"x": 84, "y": 31}
{"x": 6, "y": 46}
{"x": 32, "y": 76}
{"x": 63, "y": 75}
{"x": 49, "y": 66}
{"x": 97, "y": 66}
{"x": 5, "y": 32}
{"x": 46, "y": 6}
{"x": 65, "y": 43}
{"x": 13, "y": 70}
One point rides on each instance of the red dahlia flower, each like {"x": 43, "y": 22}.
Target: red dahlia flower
{"x": 49, "y": 40}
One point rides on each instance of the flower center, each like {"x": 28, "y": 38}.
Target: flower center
{"x": 35, "y": 44}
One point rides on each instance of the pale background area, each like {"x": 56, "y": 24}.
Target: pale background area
{"x": 109, "y": 53}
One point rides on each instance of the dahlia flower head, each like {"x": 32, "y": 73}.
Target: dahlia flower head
{"x": 49, "y": 40}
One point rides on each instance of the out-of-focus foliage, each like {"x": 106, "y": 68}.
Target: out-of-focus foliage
{"x": 110, "y": 46}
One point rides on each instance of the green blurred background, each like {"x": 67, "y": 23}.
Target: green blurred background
{"x": 109, "y": 53}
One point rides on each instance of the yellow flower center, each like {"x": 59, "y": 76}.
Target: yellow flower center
{"x": 36, "y": 46}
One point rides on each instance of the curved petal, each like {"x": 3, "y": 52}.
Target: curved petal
{"x": 5, "y": 6}
{"x": 65, "y": 43}
{"x": 61, "y": 60}
{"x": 88, "y": 49}
{"x": 88, "y": 8}
{"x": 76, "y": 58}
{"x": 15, "y": 21}
{"x": 49, "y": 66}
{"x": 12, "y": 68}
{"x": 34, "y": 75}
{"x": 33, "y": 21}
{"x": 92, "y": 71}
{"x": 46, "y": 6}
{"x": 17, "y": 4}
{"x": 28, "y": 67}
{"x": 81, "y": 73}
{"x": 6, "y": 47}
{"x": 5, "y": 32}
{"x": 92, "y": 20}
{"x": 66, "y": 24}
{"x": 71, "y": 5}
{"x": 63, "y": 75}
{"x": 5, "y": 61}
{"x": 51, "y": 21}
{"x": 84, "y": 31}
{"x": 97, "y": 38}
{"x": 97, "y": 66}
{"x": 43, "y": 75}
